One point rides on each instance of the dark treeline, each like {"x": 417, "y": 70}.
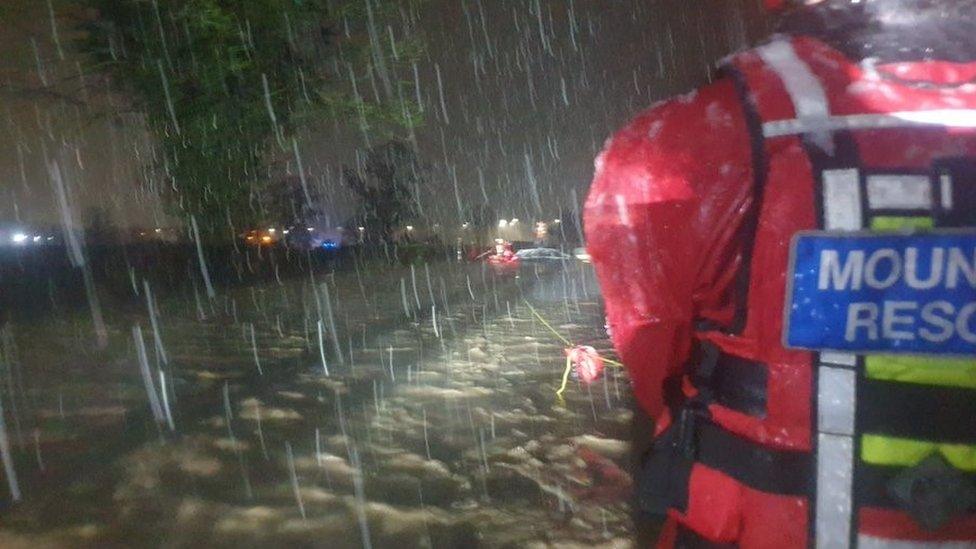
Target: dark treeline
{"x": 41, "y": 280}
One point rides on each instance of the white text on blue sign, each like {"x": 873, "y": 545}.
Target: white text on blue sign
{"x": 891, "y": 293}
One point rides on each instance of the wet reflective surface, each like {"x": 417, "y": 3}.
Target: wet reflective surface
{"x": 439, "y": 429}
{"x": 211, "y": 333}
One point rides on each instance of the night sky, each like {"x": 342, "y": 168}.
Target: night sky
{"x": 531, "y": 89}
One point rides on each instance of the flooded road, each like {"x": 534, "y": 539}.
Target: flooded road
{"x": 211, "y": 334}
{"x": 419, "y": 412}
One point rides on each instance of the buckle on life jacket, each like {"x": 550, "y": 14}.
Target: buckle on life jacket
{"x": 737, "y": 383}
{"x": 933, "y": 492}
{"x": 662, "y": 482}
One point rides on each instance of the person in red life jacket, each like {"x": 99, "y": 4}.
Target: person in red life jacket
{"x": 503, "y": 249}
{"x": 502, "y": 258}
{"x": 788, "y": 262}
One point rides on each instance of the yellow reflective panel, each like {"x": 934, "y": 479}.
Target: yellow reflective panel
{"x": 895, "y": 223}
{"x": 883, "y": 450}
{"x": 922, "y": 370}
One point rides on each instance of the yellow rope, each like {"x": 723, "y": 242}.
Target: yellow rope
{"x": 551, "y": 329}
{"x": 561, "y": 338}
{"x": 569, "y": 362}
{"x": 569, "y": 368}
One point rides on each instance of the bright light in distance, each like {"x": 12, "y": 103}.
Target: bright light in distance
{"x": 18, "y": 238}
{"x": 272, "y": 230}
{"x": 37, "y": 238}
{"x": 464, "y": 225}
{"x": 409, "y": 227}
{"x": 557, "y": 221}
{"x": 159, "y": 230}
{"x": 310, "y": 229}
{"x": 286, "y": 231}
{"x": 361, "y": 229}
{"x": 513, "y": 221}
{"x": 502, "y": 223}
{"x": 265, "y": 238}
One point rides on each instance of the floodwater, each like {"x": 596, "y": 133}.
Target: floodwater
{"x": 167, "y": 380}
{"x": 437, "y": 424}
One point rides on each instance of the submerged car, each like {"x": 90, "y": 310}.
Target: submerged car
{"x": 582, "y": 255}
{"x": 531, "y": 255}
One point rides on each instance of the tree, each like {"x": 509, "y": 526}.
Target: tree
{"x": 224, "y": 83}
{"x": 386, "y": 183}
{"x": 289, "y": 201}
{"x": 483, "y": 216}
{"x": 99, "y": 228}
{"x": 483, "y": 223}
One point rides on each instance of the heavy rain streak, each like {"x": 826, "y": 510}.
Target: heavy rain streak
{"x": 310, "y": 273}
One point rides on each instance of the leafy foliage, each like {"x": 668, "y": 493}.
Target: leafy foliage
{"x": 224, "y": 84}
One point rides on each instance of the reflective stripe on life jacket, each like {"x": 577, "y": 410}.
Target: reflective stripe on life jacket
{"x": 855, "y": 197}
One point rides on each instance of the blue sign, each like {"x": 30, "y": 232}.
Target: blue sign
{"x": 887, "y": 293}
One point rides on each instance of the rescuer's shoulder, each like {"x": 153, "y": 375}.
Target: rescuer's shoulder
{"x": 675, "y": 150}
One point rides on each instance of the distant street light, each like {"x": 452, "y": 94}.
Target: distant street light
{"x": 18, "y": 238}
{"x": 502, "y": 223}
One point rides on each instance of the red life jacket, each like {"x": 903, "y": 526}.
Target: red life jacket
{"x": 775, "y": 446}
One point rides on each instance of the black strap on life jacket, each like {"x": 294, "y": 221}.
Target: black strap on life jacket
{"x": 750, "y": 223}
{"x": 693, "y": 438}
{"x": 962, "y": 170}
{"x": 783, "y": 472}
{"x": 687, "y": 538}
{"x": 914, "y": 411}
{"x": 919, "y": 413}
{"x": 732, "y": 381}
